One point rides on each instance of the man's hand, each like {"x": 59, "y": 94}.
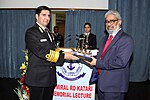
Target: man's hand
{"x": 70, "y": 56}
{"x": 93, "y": 62}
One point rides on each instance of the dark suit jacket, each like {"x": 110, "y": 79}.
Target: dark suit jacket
{"x": 40, "y": 72}
{"x": 59, "y": 40}
{"x": 91, "y": 41}
{"x": 114, "y": 67}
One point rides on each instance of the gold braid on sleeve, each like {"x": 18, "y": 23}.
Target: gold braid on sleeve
{"x": 57, "y": 49}
{"x": 52, "y": 56}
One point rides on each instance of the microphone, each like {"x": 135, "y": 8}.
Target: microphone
{"x": 77, "y": 35}
{"x": 68, "y": 40}
{"x": 67, "y": 36}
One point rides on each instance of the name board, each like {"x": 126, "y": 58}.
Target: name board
{"x": 73, "y": 82}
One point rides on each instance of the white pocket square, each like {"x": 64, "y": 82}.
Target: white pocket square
{"x": 43, "y": 40}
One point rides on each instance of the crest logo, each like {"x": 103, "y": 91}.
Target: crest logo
{"x": 71, "y": 71}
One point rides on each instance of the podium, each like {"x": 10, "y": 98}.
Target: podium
{"x": 73, "y": 82}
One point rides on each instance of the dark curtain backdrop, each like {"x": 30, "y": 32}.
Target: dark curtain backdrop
{"x": 136, "y": 22}
{"x": 75, "y": 25}
{"x": 13, "y": 24}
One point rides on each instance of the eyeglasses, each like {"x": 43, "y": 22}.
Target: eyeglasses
{"x": 111, "y": 21}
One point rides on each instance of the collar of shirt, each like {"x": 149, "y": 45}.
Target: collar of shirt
{"x": 56, "y": 33}
{"x": 41, "y": 26}
{"x": 86, "y": 33}
{"x": 115, "y": 33}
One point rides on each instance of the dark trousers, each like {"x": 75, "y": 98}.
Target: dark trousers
{"x": 41, "y": 93}
{"x": 111, "y": 95}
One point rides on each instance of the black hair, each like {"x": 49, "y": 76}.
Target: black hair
{"x": 87, "y": 24}
{"x": 40, "y": 8}
{"x": 56, "y": 27}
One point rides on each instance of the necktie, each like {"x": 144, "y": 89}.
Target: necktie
{"x": 48, "y": 33}
{"x": 105, "y": 48}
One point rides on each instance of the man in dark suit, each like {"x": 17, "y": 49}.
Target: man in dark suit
{"x": 89, "y": 38}
{"x": 43, "y": 57}
{"x": 59, "y": 40}
{"x": 113, "y": 59}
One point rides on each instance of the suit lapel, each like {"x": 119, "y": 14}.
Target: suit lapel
{"x": 116, "y": 38}
{"x": 42, "y": 32}
{"x": 102, "y": 45}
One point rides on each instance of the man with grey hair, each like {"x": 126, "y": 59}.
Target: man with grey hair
{"x": 113, "y": 59}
